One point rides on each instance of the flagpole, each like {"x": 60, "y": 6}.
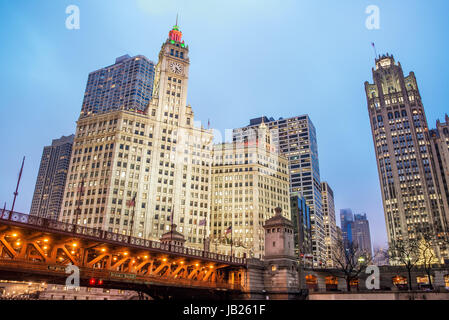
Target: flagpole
{"x": 171, "y": 227}
{"x": 231, "y": 242}
{"x": 132, "y": 215}
{"x": 204, "y": 236}
{"x": 17, "y": 189}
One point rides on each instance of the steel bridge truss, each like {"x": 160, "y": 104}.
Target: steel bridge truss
{"x": 37, "y": 246}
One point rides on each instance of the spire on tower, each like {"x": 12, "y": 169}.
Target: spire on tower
{"x": 175, "y": 35}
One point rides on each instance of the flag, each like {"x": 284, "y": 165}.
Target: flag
{"x": 132, "y": 203}
{"x": 208, "y": 123}
{"x": 229, "y": 230}
{"x": 372, "y": 43}
{"x": 203, "y": 222}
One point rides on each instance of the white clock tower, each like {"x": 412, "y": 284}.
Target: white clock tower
{"x": 171, "y": 79}
{"x": 181, "y": 157}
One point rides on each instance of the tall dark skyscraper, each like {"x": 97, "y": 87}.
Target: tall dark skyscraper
{"x": 411, "y": 192}
{"x": 50, "y": 182}
{"x": 125, "y": 85}
{"x": 300, "y": 216}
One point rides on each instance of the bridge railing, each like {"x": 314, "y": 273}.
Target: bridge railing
{"x": 55, "y": 225}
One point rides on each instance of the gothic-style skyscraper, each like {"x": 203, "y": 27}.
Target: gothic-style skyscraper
{"x": 411, "y": 193}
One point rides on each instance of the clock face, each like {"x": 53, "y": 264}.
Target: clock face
{"x": 176, "y": 67}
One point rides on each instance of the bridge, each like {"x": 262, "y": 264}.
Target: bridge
{"x": 38, "y": 249}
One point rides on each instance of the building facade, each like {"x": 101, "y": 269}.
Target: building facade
{"x": 296, "y": 138}
{"x": 361, "y": 234}
{"x": 339, "y": 235}
{"x": 330, "y": 224}
{"x": 300, "y": 217}
{"x": 411, "y": 193}
{"x": 125, "y": 85}
{"x": 346, "y": 219}
{"x": 138, "y": 173}
{"x": 440, "y": 150}
{"x": 249, "y": 180}
{"x": 49, "y": 190}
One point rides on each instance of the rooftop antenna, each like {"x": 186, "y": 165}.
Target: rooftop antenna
{"x": 176, "y": 19}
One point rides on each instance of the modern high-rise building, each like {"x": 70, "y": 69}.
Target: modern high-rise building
{"x": 138, "y": 173}
{"x": 411, "y": 193}
{"x": 355, "y": 231}
{"x": 249, "y": 180}
{"x": 330, "y": 225}
{"x": 346, "y": 219}
{"x": 300, "y": 217}
{"x": 125, "y": 85}
{"x": 296, "y": 138}
{"x": 361, "y": 235}
{"x": 51, "y": 178}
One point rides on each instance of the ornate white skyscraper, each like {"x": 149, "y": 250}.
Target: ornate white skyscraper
{"x": 138, "y": 172}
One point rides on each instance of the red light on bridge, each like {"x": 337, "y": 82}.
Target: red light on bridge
{"x": 93, "y": 282}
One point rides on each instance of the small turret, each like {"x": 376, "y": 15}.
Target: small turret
{"x": 279, "y": 236}
{"x": 173, "y": 237}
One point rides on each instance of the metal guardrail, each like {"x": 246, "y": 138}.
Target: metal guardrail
{"x": 58, "y": 226}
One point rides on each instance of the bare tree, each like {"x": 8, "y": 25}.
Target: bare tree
{"x": 406, "y": 253}
{"x": 349, "y": 261}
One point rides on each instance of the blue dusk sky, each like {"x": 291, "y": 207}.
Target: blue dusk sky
{"x": 248, "y": 58}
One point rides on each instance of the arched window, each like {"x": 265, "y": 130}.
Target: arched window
{"x": 390, "y": 115}
{"x": 397, "y": 114}
{"x": 404, "y": 113}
